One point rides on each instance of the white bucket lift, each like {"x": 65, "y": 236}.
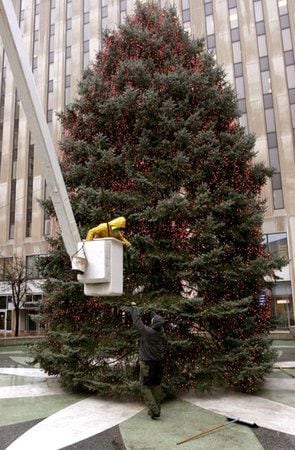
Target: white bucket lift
{"x": 103, "y": 274}
{"x": 103, "y": 266}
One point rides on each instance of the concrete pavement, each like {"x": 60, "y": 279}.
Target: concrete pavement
{"x": 37, "y": 413}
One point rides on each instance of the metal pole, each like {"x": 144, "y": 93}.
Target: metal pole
{"x": 25, "y": 83}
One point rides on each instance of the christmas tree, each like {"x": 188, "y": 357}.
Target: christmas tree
{"x": 154, "y": 136}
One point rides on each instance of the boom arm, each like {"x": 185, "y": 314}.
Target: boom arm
{"x": 25, "y": 83}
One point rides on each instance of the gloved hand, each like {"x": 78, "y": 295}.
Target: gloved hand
{"x": 133, "y": 304}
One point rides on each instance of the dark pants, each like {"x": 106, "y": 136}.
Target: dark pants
{"x": 151, "y": 373}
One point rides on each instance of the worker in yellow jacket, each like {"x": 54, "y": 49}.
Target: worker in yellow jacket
{"x": 109, "y": 229}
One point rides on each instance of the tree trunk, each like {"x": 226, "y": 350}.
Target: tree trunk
{"x": 16, "y": 332}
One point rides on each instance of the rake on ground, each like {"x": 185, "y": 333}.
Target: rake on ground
{"x": 218, "y": 427}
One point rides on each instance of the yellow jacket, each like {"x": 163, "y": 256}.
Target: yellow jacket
{"x": 109, "y": 229}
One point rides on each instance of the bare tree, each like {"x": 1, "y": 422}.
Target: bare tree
{"x": 16, "y": 276}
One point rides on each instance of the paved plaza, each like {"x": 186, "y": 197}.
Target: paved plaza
{"x": 36, "y": 413}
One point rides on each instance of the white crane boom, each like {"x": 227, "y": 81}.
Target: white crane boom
{"x": 25, "y": 83}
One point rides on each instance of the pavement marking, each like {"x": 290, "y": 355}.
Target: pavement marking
{"x": 180, "y": 420}
{"x": 266, "y": 413}
{"x": 30, "y": 390}
{"x": 25, "y": 372}
{"x": 273, "y": 384}
{"x": 75, "y": 423}
{"x": 284, "y": 364}
{"x": 24, "y": 360}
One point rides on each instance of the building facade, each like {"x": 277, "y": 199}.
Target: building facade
{"x": 253, "y": 40}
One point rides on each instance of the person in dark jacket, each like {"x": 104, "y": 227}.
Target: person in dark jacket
{"x": 151, "y": 353}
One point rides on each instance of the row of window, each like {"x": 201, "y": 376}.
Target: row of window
{"x": 210, "y": 27}
{"x": 50, "y": 71}
{"x": 289, "y": 59}
{"x": 30, "y": 301}
{"x": 237, "y": 60}
{"x": 2, "y": 99}
{"x": 270, "y": 120}
{"x": 68, "y": 54}
{"x": 186, "y": 16}
{"x": 269, "y": 112}
{"x": 30, "y": 319}
{"x": 31, "y": 268}
{"x": 86, "y": 33}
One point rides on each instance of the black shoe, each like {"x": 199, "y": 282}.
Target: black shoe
{"x": 155, "y": 416}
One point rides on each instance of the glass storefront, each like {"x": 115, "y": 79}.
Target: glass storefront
{"x": 282, "y": 302}
{"x": 27, "y": 313}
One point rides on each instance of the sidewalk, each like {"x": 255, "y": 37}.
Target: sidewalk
{"x": 36, "y": 413}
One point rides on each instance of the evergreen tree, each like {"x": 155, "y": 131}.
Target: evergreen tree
{"x": 154, "y": 135}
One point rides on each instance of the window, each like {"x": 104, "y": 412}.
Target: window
{"x": 266, "y": 82}
{"x": 233, "y": 18}
{"x": 50, "y": 86}
{"x": 238, "y": 69}
{"x": 104, "y": 11}
{"x": 186, "y": 17}
{"x": 272, "y": 140}
{"x": 290, "y": 71}
{"x": 292, "y": 96}
{"x": 289, "y": 58}
{"x": 264, "y": 63}
{"x": 283, "y": 9}
{"x": 267, "y": 101}
{"x": 86, "y": 46}
{"x": 69, "y": 23}
{"x": 240, "y": 87}
{"x": 287, "y": 39}
{"x": 278, "y": 199}
{"x": 211, "y": 41}
{"x": 237, "y": 54}
{"x": 262, "y": 46}
{"x": 242, "y": 106}
{"x": 69, "y": 38}
{"x": 235, "y": 35}
{"x": 284, "y": 21}
{"x": 3, "y": 302}
{"x": 209, "y": 9}
{"x": 32, "y": 271}
{"x": 276, "y": 181}
{"x": 274, "y": 159}
{"x": 260, "y": 28}
{"x": 277, "y": 244}
{"x": 209, "y": 24}
{"x": 68, "y": 52}
{"x": 270, "y": 120}
{"x": 49, "y": 115}
{"x": 258, "y": 11}
{"x": 68, "y": 81}
{"x": 4, "y": 265}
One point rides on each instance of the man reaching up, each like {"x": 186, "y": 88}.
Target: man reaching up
{"x": 151, "y": 352}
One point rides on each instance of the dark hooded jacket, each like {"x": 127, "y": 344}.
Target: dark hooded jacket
{"x": 151, "y": 346}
